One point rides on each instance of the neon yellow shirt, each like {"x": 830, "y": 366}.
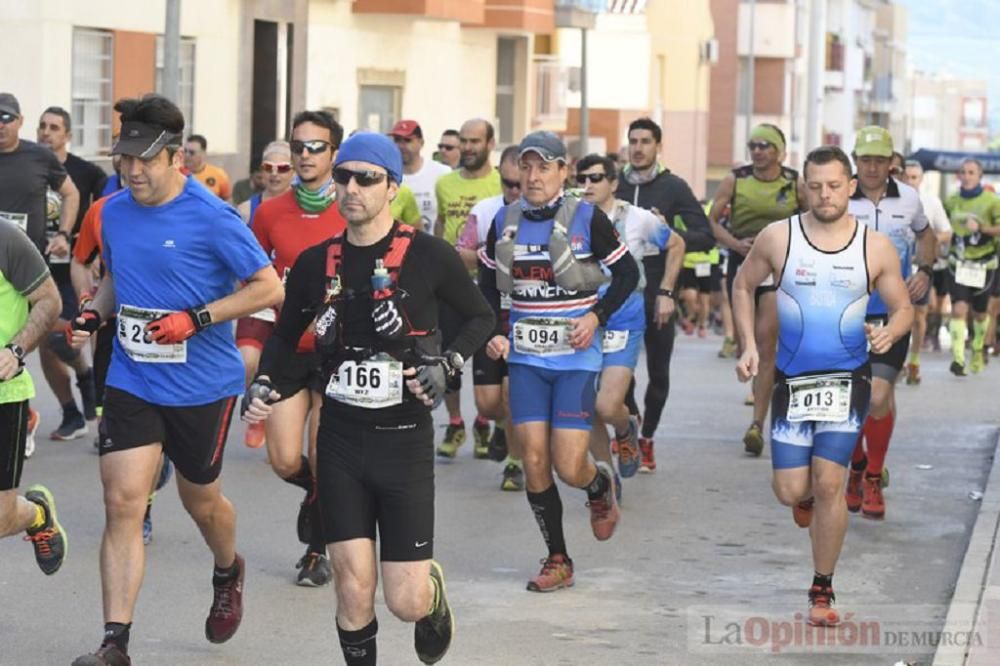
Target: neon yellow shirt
{"x": 456, "y": 196}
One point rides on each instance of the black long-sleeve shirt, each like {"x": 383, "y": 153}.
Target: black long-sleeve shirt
{"x": 431, "y": 273}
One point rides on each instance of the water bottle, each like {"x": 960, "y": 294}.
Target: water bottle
{"x": 380, "y": 277}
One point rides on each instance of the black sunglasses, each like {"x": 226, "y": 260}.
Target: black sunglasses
{"x": 315, "y": 147}
{"x": 582, "y": 178}
{"x": 365, "y": 178}
{"x": 445, "y": 146}
{"x": 758, "y": 145}
{"x": 7, "y": 118}
{"x": 510, "y": 184}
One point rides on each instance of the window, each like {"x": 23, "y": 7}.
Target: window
{"x": 506, "y": 72}
{"x": 551, "y": 81}
{"x": 185, "y": 78}
{"x": 379, "y": 107}
{"x": 91, "y": 94}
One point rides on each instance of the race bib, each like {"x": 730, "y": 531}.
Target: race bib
{"x": 267, "y": 314}
{"x": 702, "y": 270}
{"x": 819, "y": 398}
{"x": 369, "y": 384}
{"x": 543, "y": 336}
{"x": 134, "y": 339}
{"x": 971, "y": 274}
{"x": 20, "y": 220}
{"x": 614, "y": 341}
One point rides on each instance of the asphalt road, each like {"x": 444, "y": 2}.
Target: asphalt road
{"x": 705, "y": 568}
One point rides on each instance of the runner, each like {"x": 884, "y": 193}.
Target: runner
{"x": 825, "y": 264}
{"x": 211, "y": 176}
{"x": 285, "y": 226}
{"x": 175, "y": 371}
{"x": 277, "y": 169}
{"x": 489, "y": 376}
{"x": 450, "y": 149}
{"x": 27, "y": 172}
{"x": 894, "y": 209}
{"x": 975, "y": 221}
{"x": 419, "y": 175}
{"x": 29, "y": 304}
{"x": 700, "y": 280}
{"x": 760, "y": 193}
{"x": 554, "y": 350}
{"x": 927, "y": 310}
{"x": 55, "y": 132}
{"x": 373, "y": 294}
{"x": 644, "y": 235}
{"x": 647, "y": 184}
{"x": 457, "y": 192}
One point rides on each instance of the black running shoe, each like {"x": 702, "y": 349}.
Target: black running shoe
{"x": 432, "y": 634}
{"x": 49, "y": 540}
{"x": 106, "y": 655}
{"x": 957, "y": 369}
{"x": 314, "y": 570}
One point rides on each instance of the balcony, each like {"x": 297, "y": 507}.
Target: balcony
{"x": 464, "y": 11}
{"x": 774, "y": 30}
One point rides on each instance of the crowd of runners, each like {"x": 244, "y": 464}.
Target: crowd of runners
{"x": 358, "y": 281}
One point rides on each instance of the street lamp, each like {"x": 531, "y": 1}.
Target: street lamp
{"x": 581, "y": 14}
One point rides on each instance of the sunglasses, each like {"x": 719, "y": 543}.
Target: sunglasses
{"x": 365, "y": 178}
{"x": 276, "y": 167}
{"x": 7, "y": 118}
{"x": 510, "y": 184}
{"x": 445, "y": 146}
{"x": 758, "y": 145}
{"x": 315, "y": 147}
{"x": 582, "y": 178}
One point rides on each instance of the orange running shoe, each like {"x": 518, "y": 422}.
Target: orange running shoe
{"x": 821, "y": 610}
{"x": 803, "y": 512}
{"x": 648, "y": 463}
{"x": 873, "y": 502}
{"x": 853, "y": 494}
{"x": 604, "y": 513}
{"x": 556, "y": 573}
{"x": 254, "y": 437}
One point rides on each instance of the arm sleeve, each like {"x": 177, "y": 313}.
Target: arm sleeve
{"x": 303, "y": 290}
{"x": 698, "y": 235}
{"x": 236, "y": 246}
{"x": 488, "y": 276}
{"x": 455, "y": 287}
{"x": 612, "y": 252}
{"x": 20, "y": 261}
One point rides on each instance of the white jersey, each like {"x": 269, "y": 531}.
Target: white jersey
{"x": 940, "y": 224}
{"x": 422, "y": 183}
{"x": 481, "y": 217}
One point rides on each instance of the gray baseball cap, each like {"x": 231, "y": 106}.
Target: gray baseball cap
{"x": 8, "y": 104}
{"x": 546, "y": 144}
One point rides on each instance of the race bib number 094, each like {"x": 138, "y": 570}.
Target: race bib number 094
{"x": 819, "y": 398}
{"x": 543, "y": 336}
{"x": 137, "y": 344}
{"x": 368, "y": 384}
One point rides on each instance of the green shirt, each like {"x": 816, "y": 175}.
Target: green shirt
{"x": 456, "y": 196}
{"x": 967, "y": 246}
{"x": 405, "y": 209}
{"x": 22, "y": 270}
{"x": 758, "y": 203}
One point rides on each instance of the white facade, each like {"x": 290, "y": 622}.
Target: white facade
{"x": 853, "y": 21}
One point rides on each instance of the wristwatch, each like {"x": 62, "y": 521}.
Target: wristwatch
{"x": 669, "y": 293}
{"x": 17, "y": 351}
{"x": 455, "y": 361}
{"x": 201, "y": 316}
{"x": 927, "y": 269}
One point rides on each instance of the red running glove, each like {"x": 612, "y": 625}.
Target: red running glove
{"x": 172, "y": 328}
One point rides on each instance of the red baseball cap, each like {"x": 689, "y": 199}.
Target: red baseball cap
{"x": 407, "y": 128}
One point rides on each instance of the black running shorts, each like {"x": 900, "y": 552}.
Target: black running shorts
{"x": 374, "y": 474}
{"x": 13, "y": 435}
{"x": 979, "y": 299}
{"x": 193, "y": 437}
{"x": 486, "y": 371}
{"x": 887, "y": 366}
{"x": 303, "y": 371}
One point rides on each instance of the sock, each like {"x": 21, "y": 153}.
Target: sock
{"x": 822, "y": 580}
{"x": 359, "y": 646}
{"x": 481, "y": 421}
{"x": 303, "y": 478}
{"x": 116, "y": 633}
{"x": 317, "y": 542}
{"x": 456, "y": 421}
{"x": 547, "y": 508}
{"x": 878, "y": 432}
{"x": 597, "y": 487}
{"x": 914, "y": 356}
{"x": 39, "y": 521}
{"x": 220, "y": 576}
{"x": 979, "y": 334}
{"x": 958, "y": 331}
{"x": 70, "y": 409}
{"x": 858, "y": 459}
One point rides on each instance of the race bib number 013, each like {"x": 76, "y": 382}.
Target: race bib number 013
{"x": 614, "y": 341}
{"x": 543, "y": 336}
{"x": 368, "y": 384}
{"x": 819, "y": 398}
{"x": 971, "y": 274}
{"x": 134, "y": 339}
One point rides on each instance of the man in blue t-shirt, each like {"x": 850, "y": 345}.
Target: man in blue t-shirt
{"x": 173, "y": 252}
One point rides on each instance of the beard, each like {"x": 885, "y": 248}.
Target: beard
{"x": 475, "y": 161}
{"x": 829, "y": 216}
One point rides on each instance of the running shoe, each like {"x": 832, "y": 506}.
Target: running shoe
{"x": 802, "y": 512}
{"x": 728, "y": 348}
{"x": 957, "y": 369}
{"x": 108, "y": 654}
{"x": 88, "y": 395}
{"x": 753, "y": 440}
{"x": 556, "y": 573}
{"x": 254, "y": 437}
{"x": 72, "y": 426}
{"x": 454, "y": 437}
{"x": 604, "y": 513}
{"x": 855, "y": 493}
{"x": 432, "y": 634}
{"x": 29, "y": 440}
{"x": 821, "y": 610}
{"x": 49, "y": 540}
{"x": 912, "y": 374}
{"x": 498, "y": 444}
{"x": 647, "y": 464}
{"x": 227, "y": 607}
{"x": 513, "y": 478}
{"x": 628, "y": 449}
{"x": 314, "y": 570}
{"x": 481, "y": 439}
{"x": 978, "y": 362}
{"x": 873, "y": 502}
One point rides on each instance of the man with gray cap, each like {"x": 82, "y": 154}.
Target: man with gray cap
{"x": 373, "y": 294}
{"x": 546, "y": 251}
{"x": 172, "y": 253}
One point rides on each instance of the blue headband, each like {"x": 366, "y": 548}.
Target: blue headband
{"x": 375, "y": 149}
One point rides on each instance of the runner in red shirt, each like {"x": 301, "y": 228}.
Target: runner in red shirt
{"x": 285, "y": 226}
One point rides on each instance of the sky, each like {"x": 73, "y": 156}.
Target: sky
{"x": 957, "y": 37}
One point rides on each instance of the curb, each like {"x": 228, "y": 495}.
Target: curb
{"x": 965, "y": 608}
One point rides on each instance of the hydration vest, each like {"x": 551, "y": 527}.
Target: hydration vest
{"x": 569, "y": 272}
